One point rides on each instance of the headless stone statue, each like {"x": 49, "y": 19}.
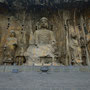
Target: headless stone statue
{"x": 44, "y": 42}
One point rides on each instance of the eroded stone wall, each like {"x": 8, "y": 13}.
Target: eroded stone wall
{"x": 59, "y": 23}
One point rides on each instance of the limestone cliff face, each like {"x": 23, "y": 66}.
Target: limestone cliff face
{"x": 18, "y": 14}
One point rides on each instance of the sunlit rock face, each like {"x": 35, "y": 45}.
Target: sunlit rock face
{"x": 69, "y": 24}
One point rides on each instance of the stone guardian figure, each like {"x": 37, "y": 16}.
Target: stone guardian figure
{"x": 75, "y": 49}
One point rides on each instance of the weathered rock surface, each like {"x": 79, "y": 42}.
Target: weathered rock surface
{"x": 20, "y": 16}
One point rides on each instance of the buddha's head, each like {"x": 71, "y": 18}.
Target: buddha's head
{"x": 44, "y": 22}
{"x": 12, "y": 33}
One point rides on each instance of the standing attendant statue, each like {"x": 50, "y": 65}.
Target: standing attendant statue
{"x": 10, "y": 47}
{"x": 75, "y": 49}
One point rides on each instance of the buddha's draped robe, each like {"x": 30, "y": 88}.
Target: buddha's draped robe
{"x": 44, "y": 39}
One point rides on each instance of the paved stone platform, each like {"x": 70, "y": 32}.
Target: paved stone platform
{"x": 57, "y": 78}
{"x": 50, "y": 68}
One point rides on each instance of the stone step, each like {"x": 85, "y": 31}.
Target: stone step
{"x": 50, "y": 68}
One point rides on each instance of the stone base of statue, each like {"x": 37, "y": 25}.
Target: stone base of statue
{"x": 39, "y": 55}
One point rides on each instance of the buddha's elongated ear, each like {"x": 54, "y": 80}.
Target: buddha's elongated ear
{"x": 37, "y": 25}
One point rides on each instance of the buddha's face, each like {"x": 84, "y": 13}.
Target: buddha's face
{"x": 12, "y": 34}
{"x": 44, "y": 23}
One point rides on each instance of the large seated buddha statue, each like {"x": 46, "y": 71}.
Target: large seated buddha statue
{"x": 44, "y": 43}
